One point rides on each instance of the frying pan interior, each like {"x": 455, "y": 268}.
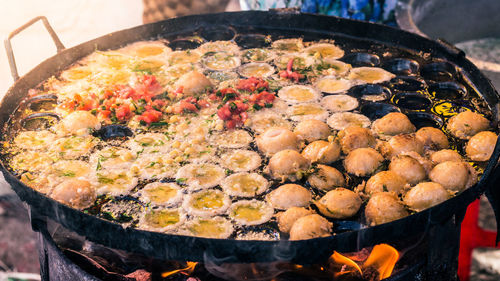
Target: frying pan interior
{"x": 353, "y": 36}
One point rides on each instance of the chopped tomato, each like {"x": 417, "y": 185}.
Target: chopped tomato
{"x": 234, "y": 113}
{"x": 104, "y": 114}
{"x": 150, "y": 116}
{"x": 263, "y": 96}
{"x": 231, "y": 124}
{"x": 150, "y": 84}
{"x": 179, "y": 90}
{"x": 123, "y": 112}
{"x": 252, "y": 84}
{"x": 213, "y": 97}
{"x": 224, "y": 113}
{"x": 203, "y": 103}
{"x": 188, "y": 106}
{"x": 158, "y": 103}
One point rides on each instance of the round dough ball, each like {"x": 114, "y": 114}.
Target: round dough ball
{"x": 466, "y": 124}
{"x": 322, "y": 152}
{"x": 408, "y": 168}
{"x": 355, "y": 137}
{"x": 80, "y": 122}
{"x": 76, "y": 193}
{"x": 311, "y": 226}
{"x": 311, "y": 130}
{"x": 339, "y": 203}
{"x": 193, "y": 83}
{"x": 392, "y": 124}
{"x": 401, "y": 144}
{"x": 288, "y": 164}
{"x": 454, "y": 176}
{"x": 276, "y": 139}
{"x": 445, "y": 155}
{"x": 480, "y": 147}
{"x": 384, "y": 207}
{"x": 432, "y": 138}
{"x": 385, "y": 181}
{"x": 287, "y": 218}
{"x": 289, "y": 195}
{"x": 363, "y": 161}
{"x": 426, "y": 163}
{"x": 326, "y": 178}
{"x": 425, "y": 195}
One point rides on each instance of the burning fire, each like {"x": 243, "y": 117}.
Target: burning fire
{"x": 190, "y": 266}
{"x": 377, "y": 265}
{"x": 382, "y": 258}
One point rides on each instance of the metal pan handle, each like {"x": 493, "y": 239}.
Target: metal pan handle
{"x": 8, "y": 45}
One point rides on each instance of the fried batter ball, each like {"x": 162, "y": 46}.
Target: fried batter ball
{"x": 311, "y": 130}
{"x": 79, "y": 123}
{"x": 322, "y": 152}
{"x": 289, "y": 195}
{"x": 193, "y": 83}
{"x": 425, "y": 195}
{"x": 432, "y": 138}
{"x": 287, "y": 218}
{"x": 76, "y": 193}
{"x": 408, "y": 168}
{"x": 288, "y": 164}
{"x": 426, "y": 163}
{"x": 355, "y": 137}
{"x": 384, "y": 207}
{"x": 466, "y": 124}
{"x": 363, "y": 161}
{"x": 401, "y": 144}
{"x": 392, "y": 124}
{"x": 340, "y": 203}
{"x": 276, "y": 139}
{"x": 445, "y": 155}
{"x": 481, "y": 146}
{"x": 326, "y": 178}
{"x": 385, "y": 181}
{"x": 454, "y": 176}
{"x": 311, "y": 226}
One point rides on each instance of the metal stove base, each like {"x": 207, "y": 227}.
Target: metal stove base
{"x": 55, "y": 266}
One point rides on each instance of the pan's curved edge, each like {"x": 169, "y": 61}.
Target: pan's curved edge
{"x": 176, "y": 247}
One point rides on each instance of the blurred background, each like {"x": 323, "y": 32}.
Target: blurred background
{"x": 77, "y": 21}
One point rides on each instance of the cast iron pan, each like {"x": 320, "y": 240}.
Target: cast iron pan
{"x": 177, "y": 247}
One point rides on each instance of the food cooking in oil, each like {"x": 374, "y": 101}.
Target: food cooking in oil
{"x": 217, "y": 140}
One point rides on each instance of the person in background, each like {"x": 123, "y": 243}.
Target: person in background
{"x": 381, "y": 11}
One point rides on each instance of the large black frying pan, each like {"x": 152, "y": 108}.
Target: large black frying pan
{"x": 176, "y": 247}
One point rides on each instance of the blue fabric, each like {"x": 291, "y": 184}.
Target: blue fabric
{"x": 370, "y": 10}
